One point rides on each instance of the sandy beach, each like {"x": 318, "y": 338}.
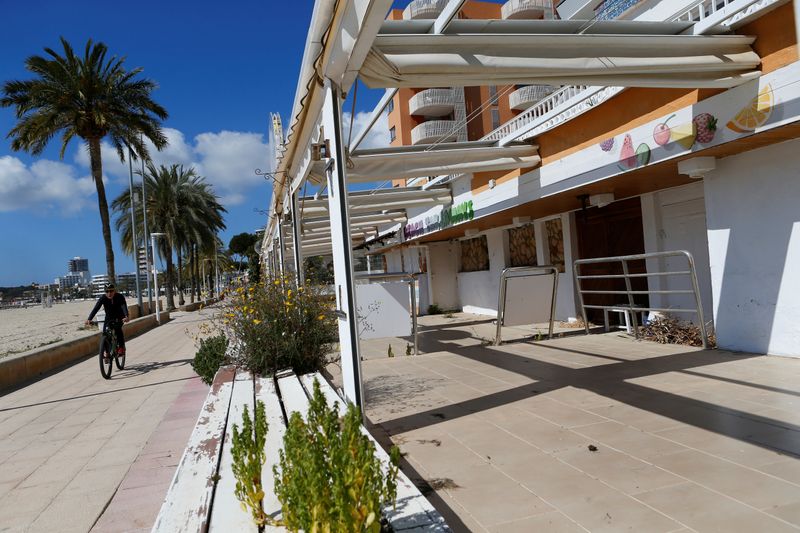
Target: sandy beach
{"x": 25, "y": 329}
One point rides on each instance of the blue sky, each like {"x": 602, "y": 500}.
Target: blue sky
{"x": 222, "y": 67}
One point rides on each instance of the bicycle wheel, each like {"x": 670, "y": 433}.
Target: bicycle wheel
{"x": 120, "y": 360}
{"x": 105, "y": 357}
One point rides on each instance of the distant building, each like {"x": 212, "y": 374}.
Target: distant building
{"x": 77, "y": 264}
{"x": 81, "y": 279}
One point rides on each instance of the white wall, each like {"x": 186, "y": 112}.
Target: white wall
{"x": 753, "y": 217}
{"x": 443, "y": 267}
{"x": 477, "y": 291}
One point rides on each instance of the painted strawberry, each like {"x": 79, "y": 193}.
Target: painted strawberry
{"x": 607, "y": 145}
{"x": 706, "y": 124}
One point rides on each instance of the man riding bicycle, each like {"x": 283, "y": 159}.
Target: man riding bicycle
{"x": 116, "y": 313}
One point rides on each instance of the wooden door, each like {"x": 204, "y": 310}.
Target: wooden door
{"x": 611, "y": 231}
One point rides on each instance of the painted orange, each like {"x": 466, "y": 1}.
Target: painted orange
{"x": 777, "y": 38}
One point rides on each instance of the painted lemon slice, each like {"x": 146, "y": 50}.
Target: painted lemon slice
{"x": 754, "y": 115}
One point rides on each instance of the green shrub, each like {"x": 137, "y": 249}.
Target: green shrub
{"x": 434, "y": 309}
{"x": 275, "y": 325}
{"x": 210, "y": 356}
{"x": 329, "y": 477}
{"x": 248, "y": 457}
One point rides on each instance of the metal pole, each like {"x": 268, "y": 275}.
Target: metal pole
{"x": 634, "y": 318}
{"x": 155, "y": 275}
{"x": 133, "y": 231}
{"x": 412, "y": 285}
{"x": 697, "y": 299}
{"x": 216, "y": 272}
{"x": 298, "y": 241}
{"x": 147, "y": 259}
{"x": 576, "y": 272}
{"x": 281, "y": 249}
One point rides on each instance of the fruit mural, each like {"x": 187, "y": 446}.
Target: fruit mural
{"x": 706, "y": 126}
{"x": 756, "y": 113}
{"x": 627, "y": 157}
{"x": 661, "y": 133}
{"x": 607, "y": 145}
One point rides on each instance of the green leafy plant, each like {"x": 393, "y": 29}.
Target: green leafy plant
{"x": 409, "y": 349}
{"x": 390, "y": 352}
{"x": 329, "y": 478}
{"x": 434, "y": 309}
{"x": 210, "y": 356}
{"x": 248, "y": 457}
{"x": 276, "y": 325}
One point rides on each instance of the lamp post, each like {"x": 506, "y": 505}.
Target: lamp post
{"x": 133, "y": 230}
{"x": 155, "y": 273}
{"x": 216, "y": 272}
{"x": 144, "y": 216}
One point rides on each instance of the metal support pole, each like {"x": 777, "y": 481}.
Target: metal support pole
{"x": 133, "y": 232}
{"x": 696, "y": 288}
{"x": 298, "y": 241}
{"x": 631, "y": 303}
{"x": 281, "y": 249}
{"x": 338, "y": 211}
{"x": 216, "y": 271}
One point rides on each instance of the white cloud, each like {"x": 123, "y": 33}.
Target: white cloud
{"x": 378, "y": 136}
{"x": 43, "y": 186}
{"x": 226, "y": 159}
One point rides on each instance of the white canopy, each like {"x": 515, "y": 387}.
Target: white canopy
{"x": 443, "y": 159}
{"x": 631, "y": 60}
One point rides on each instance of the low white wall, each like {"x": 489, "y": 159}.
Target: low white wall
{"x": 753, "y": 218}
{"x": 477, "y": 291}
{"x": 443, "y": 266}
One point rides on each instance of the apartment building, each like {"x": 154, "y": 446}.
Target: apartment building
{"x": 623, "y": 171}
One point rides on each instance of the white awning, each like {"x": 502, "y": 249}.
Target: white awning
{"x": 378, "y": 201}
{"x": 449, "y": 158}
{"x": 630, "y": 60}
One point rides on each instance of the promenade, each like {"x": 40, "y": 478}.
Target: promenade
{"x": 72, "y": 442}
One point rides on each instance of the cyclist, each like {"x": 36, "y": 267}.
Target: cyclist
{"x": 116, "y": 313}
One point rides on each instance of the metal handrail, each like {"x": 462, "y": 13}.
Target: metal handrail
{"x": 524, "y": 272}
{"x": 412, "y": 281}
{"x": 626, "y": 275}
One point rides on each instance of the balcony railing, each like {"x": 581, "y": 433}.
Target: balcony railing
{"x": 434, "y": 131}
{"x": 424, "y": 9}
{"x": 524, "y": 97}
{"x": 527, "y": 9}
{"x": 562, "y": 105}
{"x": 432, "y": 102}
{"x": 614, "y": 9}
{"x": 709, "y": 13}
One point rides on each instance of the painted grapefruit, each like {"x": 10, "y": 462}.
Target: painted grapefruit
{"x": 754, "y": 115}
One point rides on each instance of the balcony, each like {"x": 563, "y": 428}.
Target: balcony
{"x": 432, "y": 102}
{"x": 524, "y": 97}
{"x": 577, "y": 9}
{"x": 616, "y": 9}
{"x": 423, "y": 9}
{"x": 527, "y": 9}
{"x": 434, "y": 131}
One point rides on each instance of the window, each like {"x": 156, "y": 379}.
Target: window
{"x": 390, "y": 106}
{"x": 495, "y": 119}
{"x": 392, "y": 134}
{"x": 474, "y": 254}
{"x": 555, "y": 242}
{"x": 522, "y": 246}
{"x": 493, "y": 94}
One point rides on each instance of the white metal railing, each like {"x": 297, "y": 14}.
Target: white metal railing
{"x": 614, "y": 9}
{"x": 562, "y": 105}
{"x": 527, "y": 9}
{"x": 524, "y": 97}
{"x": 428, "y": 98}
{"x": 433, "y": 131}
{"x": 424, "y": 9}
{"x": 722, "y": 12}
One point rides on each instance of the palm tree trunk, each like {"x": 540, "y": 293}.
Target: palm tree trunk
{"x": 192, "y": 261}
{"x": 102, "y": 203}
{"x": 197, "y": 272}
{"x": 169, "y": 283}
{"x": 181, "y": 301}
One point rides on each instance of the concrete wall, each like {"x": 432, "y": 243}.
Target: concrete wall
{"x": 443, "y": 267}
{"x": 753, "y": 221}
{"x": 19, "y": 368}
{"x": 477, "y": 291}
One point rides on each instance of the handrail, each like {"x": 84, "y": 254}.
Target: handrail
{"x": 412, "y": 279}
{"x": 632, "y": 307}
{"x": 524, "y": 272}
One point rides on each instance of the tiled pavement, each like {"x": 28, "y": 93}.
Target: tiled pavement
{"x": 686, "y": 439}
{"x": 68, "y": 441}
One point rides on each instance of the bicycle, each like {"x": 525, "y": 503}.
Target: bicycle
{"x": 108, "y": 349}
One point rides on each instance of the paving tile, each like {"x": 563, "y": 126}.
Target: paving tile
{"x": 704, "y": 510}
{"x": 746, "y": 485}
{"x": 788, "y": 469}
{"x": 790, "y": 513}
{"x": 635, "y": 442}
{"x": 612, "y": 511}
{"x": 552, "y": 522}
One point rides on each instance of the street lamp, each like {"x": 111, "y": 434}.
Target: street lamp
{"x": 133, "y": 232}
{"x": 155, "y": 273}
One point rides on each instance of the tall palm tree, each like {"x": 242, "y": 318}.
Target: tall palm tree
{"x": 91, "y": 97}
{"x": 181, "y": 205}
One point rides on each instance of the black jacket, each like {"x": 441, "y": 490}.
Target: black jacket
{"x": 115, "y": 307}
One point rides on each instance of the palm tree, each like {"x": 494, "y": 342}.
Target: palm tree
{"x": 180, "y": 205}
{"x": 90, "y": 97}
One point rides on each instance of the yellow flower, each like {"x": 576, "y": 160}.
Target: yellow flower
{"x": 289, "y": 293}
{"x": 321, "y": 317}
{"x": 277, "y": 282}
{"x": 256, "y": 321}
